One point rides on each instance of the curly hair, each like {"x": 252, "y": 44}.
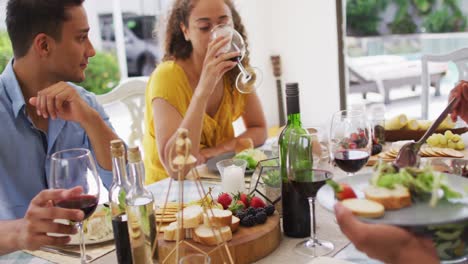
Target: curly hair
{"x": 176, "y": 47}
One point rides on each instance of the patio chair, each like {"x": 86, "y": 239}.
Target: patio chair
{"x": 383, "y": 73}
{"x": 458, "y": 57}
{"x": 130, "y": 92}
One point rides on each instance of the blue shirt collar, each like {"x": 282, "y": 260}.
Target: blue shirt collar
{"x": 13, "y": 89}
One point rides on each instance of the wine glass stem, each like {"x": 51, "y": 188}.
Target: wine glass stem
{"x": 351, "y": 173}
{"x": 313, "y": 233}
{"x": 82, "y": 244}
{"x": 243, "y": 70}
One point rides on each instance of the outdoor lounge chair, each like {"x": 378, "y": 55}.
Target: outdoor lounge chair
{"x": 380, "y": 74}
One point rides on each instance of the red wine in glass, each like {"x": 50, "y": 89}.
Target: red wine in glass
{"x": 310, "y": 188}
{"x": 86, "y": 203}
{"x": 351, "y": 160}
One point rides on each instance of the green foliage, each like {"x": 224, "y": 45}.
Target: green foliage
{"x": 423, "y": 6}
{"x": 6, "y": 51}
{"x": 448, "y": 19}
{"x": 362, "y": 16}
{"x": 102, "y": 74}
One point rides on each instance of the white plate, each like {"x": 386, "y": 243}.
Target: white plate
{"x": 75, "y": 239}
{"x": 418, "y": 214}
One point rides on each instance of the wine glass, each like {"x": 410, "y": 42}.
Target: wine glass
{"x": 350, "y": 140}
{"x": 307, "y": 179}
{"x": 71, "y": 168}
{"x": 249, "y": 78}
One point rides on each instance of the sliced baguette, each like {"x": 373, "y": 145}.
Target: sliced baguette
{"x": 235, "y": 224}
{"x": 364, "y": 207}
{"x": 206, "y": 236}
{"x": 220, "y": 217}
{"x": 170, "y": 232}
{"x": 192, "y": 216}
{"x": 391, "y": 199}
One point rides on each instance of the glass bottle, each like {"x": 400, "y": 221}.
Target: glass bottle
{"x": 141, "y": 219}
{"x": 296, "y": 216}
{"x": 118, "y": 191}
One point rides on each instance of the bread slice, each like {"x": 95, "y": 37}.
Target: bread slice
{"x": 235, "y": 224}
{"x": 205, "y": 235}
{"x": 192, "y": 216}
{"x": 170, "y": 232}
{"x": 220, "y": 217}
{"x": 364, "y": 207}
{"x": 391, "y": 199}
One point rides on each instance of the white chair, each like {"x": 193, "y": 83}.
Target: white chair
{"x": 131, "y": 93}
{"x": 458, "y": 57}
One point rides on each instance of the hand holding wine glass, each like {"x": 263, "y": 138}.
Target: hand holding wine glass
{"x": 249, "y": 78}
{"x": 350, "y": 140}
{"x": 39, "y": 220}
{"x": 72, "y": 168}
{"x": 307, "y": 179}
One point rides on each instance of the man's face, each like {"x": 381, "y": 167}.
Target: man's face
{"x": 69, "y": 57}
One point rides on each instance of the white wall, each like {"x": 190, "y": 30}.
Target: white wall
{"x": 304, "y": 33}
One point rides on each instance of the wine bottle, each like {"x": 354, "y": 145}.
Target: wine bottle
{"x": 141, "y": 219}
{"x": 118, "y": 191}
{"x": 296, "y": 216}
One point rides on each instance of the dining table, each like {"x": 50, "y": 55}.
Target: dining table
{"x": 327, "y": 228}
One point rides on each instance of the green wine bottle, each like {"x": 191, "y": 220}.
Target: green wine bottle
{"x": 296, "y": 216}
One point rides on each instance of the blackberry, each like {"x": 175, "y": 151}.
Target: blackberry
{"x": 260, "y": 218}
{"x": 241, "y": 214}
{"x": 248, "y": 221}
{"x": 259, "y": 210}
{"x": 376, "y": 149}
{"x": 251, "y": 211}
{"x": 269, "y": 209}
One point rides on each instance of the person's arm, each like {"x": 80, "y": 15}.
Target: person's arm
{"x": 63, "y": 101}
{"x": 387, "y": 243}
{"x": 167, "y": 119}
{"x": 461, "y": 107}
{"x": 31, "y": 231}
{"x": 255, "y": 123}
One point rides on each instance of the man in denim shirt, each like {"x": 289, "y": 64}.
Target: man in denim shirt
{"x": 40, "y": 113}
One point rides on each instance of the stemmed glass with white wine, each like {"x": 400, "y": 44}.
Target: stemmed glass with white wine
{"x": 249, "y": 78}
{"x": 71, "y": 168}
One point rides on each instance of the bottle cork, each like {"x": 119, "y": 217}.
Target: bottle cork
{"x": 134, "y": 154}
{"x": 117, "y": 148}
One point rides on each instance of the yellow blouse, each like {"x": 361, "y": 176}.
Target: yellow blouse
{"x": 169, "y": 82}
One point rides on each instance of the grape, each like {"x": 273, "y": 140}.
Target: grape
{"x": 448, "y": 134}
{"x": 451, "y": 144}
{"x": 442, "y": 141}
{"x": 460, "y": 145}
{"x": 456, "y": 138}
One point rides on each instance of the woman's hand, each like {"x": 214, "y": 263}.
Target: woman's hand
{"x": 387, "y": 243}
{"x": 214, "y": 67}
{"x": 461, "y": 107}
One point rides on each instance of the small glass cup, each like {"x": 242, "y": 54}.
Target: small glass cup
{"x": 232, "y": 173}
{"x": 195, "y": 259}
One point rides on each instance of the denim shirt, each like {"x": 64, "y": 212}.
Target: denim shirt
{"x": 25, "y": 150}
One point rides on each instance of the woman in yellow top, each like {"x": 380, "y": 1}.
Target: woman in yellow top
{"x": 194, "y": 88}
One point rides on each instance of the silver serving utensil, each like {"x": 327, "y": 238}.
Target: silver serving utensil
{"x": 64, "y": 252}
{"x": 408, "y": 155}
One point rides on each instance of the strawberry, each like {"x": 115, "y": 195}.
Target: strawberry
{"x": 236, "y": 205}
{"x": 225, "y": 200}
{"x": 245, "y": 198}
{"x": 257, "y": 202}
{"x": 342, "y": 190}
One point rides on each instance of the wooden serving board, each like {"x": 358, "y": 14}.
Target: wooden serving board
{"x": 395, "y": 135}
{"x": 248, "y": 244}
